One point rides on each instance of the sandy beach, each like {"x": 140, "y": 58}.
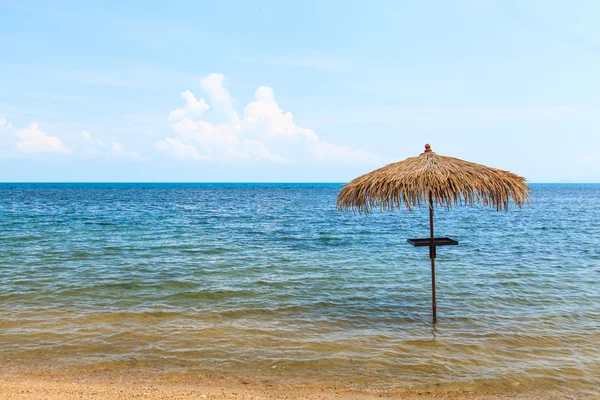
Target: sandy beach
{"x": 37, "y": 388}
{"x": 45, "y": 384}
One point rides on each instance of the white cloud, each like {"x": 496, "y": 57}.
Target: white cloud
{"x": 118, "y": 150}
{"x": 218, "y": 95}
{"x": 88, "y": 138}
{"x": 192, "y": 108}
{"x": 115, "y": 149}
{"x": 178, "y": 149}
{"x": 258, "y": 150}
{"x": 264, "y": 132}
{"x": 3, "y": 122}
{"x": 33, "y": 140}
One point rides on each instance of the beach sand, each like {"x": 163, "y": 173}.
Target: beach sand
{"x": 66, "y": 386}
{"x": 28, "y": 388}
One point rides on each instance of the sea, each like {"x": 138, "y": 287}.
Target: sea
{"x": 270, "y": 281}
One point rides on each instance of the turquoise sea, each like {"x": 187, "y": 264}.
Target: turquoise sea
{"x": 271, "y": 281}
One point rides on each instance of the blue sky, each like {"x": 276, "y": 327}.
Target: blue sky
{"x": 296, "y": 91}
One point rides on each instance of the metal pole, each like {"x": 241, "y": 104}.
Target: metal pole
{"x": 432, "y": 256}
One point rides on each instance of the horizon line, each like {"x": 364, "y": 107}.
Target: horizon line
{"x": 248, "y": 182}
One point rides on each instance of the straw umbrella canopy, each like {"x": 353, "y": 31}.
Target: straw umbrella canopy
{"x": 431, "y": 179}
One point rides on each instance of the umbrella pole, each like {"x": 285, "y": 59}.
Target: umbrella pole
{"x": 432, "y": 256}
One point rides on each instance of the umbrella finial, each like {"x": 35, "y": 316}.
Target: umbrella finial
{"x": 427, "y": 148}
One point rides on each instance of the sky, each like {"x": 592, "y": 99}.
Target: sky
{"x": 295, "y": 91}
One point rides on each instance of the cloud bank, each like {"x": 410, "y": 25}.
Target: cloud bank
{"x": 99, "y": 148}
{"x": 88, "y": 138}
{"x": 263, "y": 132}
{"x": 33, "y": 140}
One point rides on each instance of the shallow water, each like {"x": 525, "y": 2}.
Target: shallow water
{"x": 269, "y": 280}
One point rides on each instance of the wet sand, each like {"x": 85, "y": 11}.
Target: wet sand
{"x": 60, "y": 385}
{"x": 29, "y": 388}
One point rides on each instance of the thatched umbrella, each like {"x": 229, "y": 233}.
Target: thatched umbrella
{"x": 432, "y": 179}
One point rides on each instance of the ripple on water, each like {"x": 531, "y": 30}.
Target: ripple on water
{"x": 272, "y": 281}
